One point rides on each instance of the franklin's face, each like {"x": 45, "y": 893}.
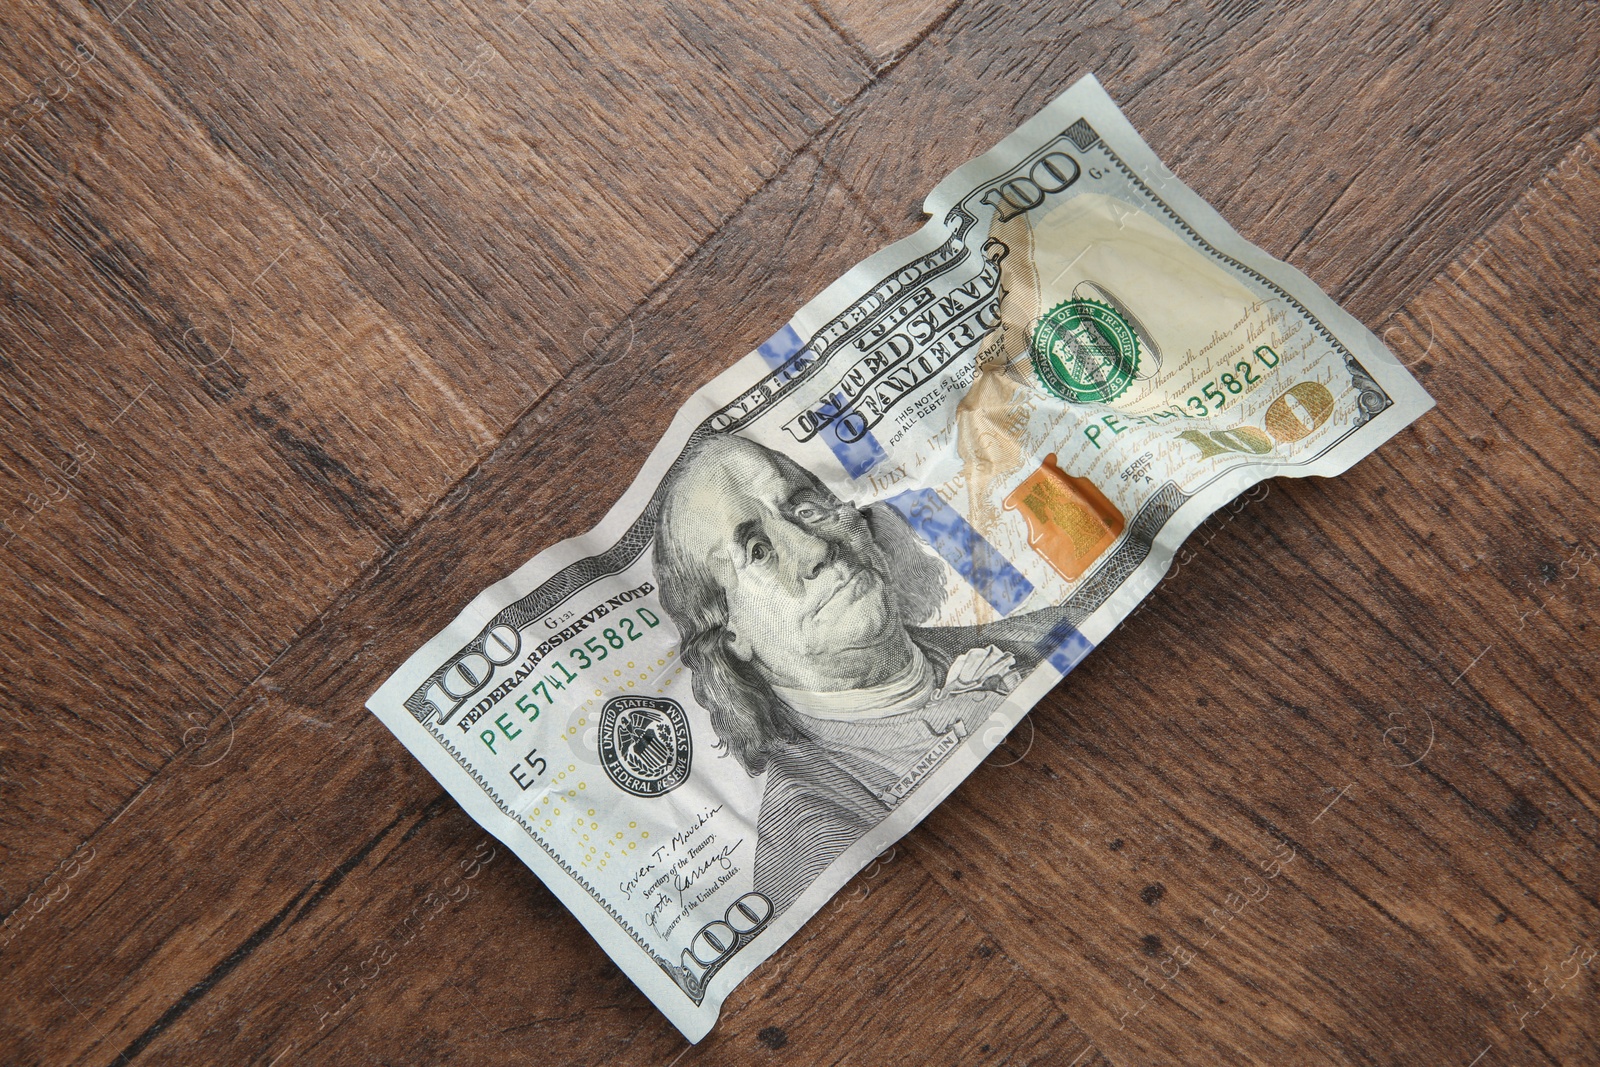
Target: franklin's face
{"x": 806, "y": 586}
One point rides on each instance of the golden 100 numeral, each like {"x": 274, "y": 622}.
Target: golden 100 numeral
{"x": 1297, "y": 413}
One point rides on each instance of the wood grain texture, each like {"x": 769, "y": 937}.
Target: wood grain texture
{"x": 508, "y": 179}
{"x": 885, "y": 30}
{"x": 294, "y": 732}
{"x": 1245, "y": 101}
{"x": 1391, "y": 673}
{"x": 195, "y": 460}
{"x": 287, "y": 387}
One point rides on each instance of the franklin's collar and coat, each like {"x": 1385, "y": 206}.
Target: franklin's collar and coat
{"x": 825, "y": 792}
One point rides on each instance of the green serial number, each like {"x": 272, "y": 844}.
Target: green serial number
{"x": 594, "y": 651}
{"x": 1213, "y": 395}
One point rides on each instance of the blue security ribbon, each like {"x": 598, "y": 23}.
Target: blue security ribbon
{"x": 777, "y": 349}
{"x": 856, "y": 456}
{"x": 964, "y": 548}
{"x": 1064, "y": 646}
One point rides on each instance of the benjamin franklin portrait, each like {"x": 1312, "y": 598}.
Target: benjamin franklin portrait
{"x": 799, "y": 619}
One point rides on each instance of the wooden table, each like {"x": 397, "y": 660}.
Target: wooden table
{"x": 318, "y": 318}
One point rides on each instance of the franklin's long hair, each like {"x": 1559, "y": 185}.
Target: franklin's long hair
{"x": 751, "y": 721}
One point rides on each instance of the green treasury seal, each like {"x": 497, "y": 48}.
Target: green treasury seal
{"x": 1085, "y": 351}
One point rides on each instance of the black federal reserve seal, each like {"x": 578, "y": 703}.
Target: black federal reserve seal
{"x": 644, "y": 744}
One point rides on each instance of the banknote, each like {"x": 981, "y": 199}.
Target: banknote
{"x": 861, "y": 554}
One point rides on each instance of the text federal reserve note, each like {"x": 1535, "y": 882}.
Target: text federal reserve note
{"x": 860, "y": 555}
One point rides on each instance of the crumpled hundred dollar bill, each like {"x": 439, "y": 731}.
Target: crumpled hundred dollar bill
{"x": 860, "y": 555}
